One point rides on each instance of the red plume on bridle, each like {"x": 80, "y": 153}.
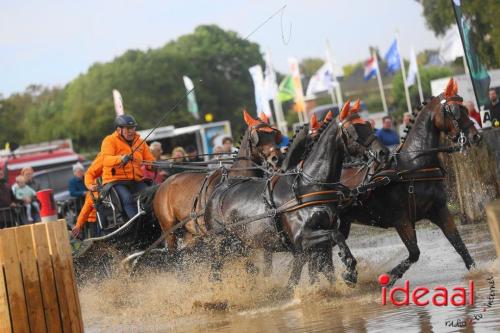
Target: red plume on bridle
{"x": 314, "y": 122}
{"x": 451, "y": 89}
{"x": 345, "y": 110}
{"x": 264, "y": 117}
{"x": 356, "y": 107}
{"x": 249, "y": 119}
{"x": 328, "y": 117}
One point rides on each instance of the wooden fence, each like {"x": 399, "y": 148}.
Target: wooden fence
{"x": 37, "y": 283}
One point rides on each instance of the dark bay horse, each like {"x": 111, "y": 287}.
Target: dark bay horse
{"x": 416, "y": 190}
{"x": 185, "y": 194}
{"x": 290, "y": 212}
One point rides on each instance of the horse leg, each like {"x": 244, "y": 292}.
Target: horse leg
{"x": 299, "y": 259}
{"x": 408, "y": 235}
{"x": 351, "y": 275}
{"x": 445, "y": 222}
{"x": 314, "y": 266}
{"x": 326, "y": 266}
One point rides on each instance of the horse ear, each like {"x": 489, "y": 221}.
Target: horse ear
{"x": 314, "y": 122}
{"x": 264, "y": 117}
{"x": 451, "y": 88}
{"x": 356, "y": 107}
{"x": 249, "y": 119}
{"x": 345, "y": 110}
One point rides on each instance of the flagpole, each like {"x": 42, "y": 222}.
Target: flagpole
{"x": 403, "y": 71}
{"x": 278, "y": 108}
{"x": 338, "y": 89}
{"x": 380, "y": 85}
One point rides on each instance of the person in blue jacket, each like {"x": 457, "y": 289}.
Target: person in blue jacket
{"x": 76, "y": 186}
{"x": 387, "y": 134}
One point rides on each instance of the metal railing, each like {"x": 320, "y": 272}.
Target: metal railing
{"x": 13, "y": 216}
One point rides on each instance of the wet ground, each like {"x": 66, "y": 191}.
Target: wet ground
{"x": 170, "y": 302}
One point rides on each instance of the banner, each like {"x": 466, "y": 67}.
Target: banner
{"x": 117, "y": 99}
{"x": 322, "y": 80}
{"x": 261, "y": 101}
{"x": 191, "y": 97}
{"x": 286, "y": 90}
{"x": 479, "y": 75}
{"x": 300, "y": 105}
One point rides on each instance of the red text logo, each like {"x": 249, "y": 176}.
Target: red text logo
{"x": 422, "y": 296}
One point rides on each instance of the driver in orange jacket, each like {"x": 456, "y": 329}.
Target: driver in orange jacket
{"x": 123, "y": 154}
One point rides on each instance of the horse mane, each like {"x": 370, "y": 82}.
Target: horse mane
{"x": 291, "y": 157}
{"x": 413, "y": 116}
{"x": 310, "y": 145}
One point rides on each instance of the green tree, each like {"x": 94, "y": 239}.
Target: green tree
{"x": 427, "y": 74}
{"x": 483, "y": 15}
{"x": 151, "y": 84}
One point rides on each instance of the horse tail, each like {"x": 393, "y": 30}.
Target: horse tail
{"x": 146, "y": 198}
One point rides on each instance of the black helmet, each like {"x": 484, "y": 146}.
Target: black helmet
{"x": 125, "y": 120}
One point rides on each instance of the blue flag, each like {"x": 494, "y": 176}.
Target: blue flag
{"x": 392, "y": 58}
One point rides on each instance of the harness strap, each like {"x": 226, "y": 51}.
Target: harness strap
{"x": 412, "y": 203}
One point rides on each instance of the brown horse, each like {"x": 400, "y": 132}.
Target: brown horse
{"x": 184, "y": 195}
{"x": 416, "y": 190}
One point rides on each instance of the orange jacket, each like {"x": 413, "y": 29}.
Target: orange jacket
{"x": 88, "y": 212}
{"x": 94, "y": 171}
{"x": 113, "y": 148}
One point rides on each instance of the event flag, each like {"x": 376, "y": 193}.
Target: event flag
{"x": 413, "y": 74}
{"x": 300, "y": 104}
{"x": 371, "y": 68}
{"x": 191, "y": 97}
{"x": 286, "y": 90}
{"x": 261, "y": 101}
{"x": 412, "y": 70}
{"x": 118, "y": 101}
{"x": 392, "y": 58}
{"x": 322, "y": 80}
{"x": 479, "y": 75}
{"x": 451, "y": 46}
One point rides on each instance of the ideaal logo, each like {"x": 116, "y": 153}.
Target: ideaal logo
{"x": 422, "y": 296}
{"x": 440, "y": 296}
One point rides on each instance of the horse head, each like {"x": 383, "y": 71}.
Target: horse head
{"x": 358, "y": 136}
{"x": 263, "y": 140}
{"x": 452, "y": 117}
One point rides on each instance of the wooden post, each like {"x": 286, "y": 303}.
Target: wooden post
{"x": 37, "y": 283}
{"x": 493, "y": 215}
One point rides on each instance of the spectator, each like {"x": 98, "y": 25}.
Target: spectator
{"x": 179, "y": 155}
{"x": 156, "y": 175}
{"x": 473, "y": 114}
{"x": 193, "y": 154}
{"x": 7, "y": 200}
{"x": 76, "y": 186}
{"x": 494, "y": 106}
{"x": 386, "y": 134}
{"x": 27, "y": 172}
{"x": 27, "y": 195}
{"x": 218, "y": 150}
{"x": 404, "y": 125}
{"x": 227, "y": 146}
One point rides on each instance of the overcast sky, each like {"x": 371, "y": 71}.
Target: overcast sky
{"x": 50, "y": 42}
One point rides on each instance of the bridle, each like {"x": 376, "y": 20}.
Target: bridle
{"x": 455, "y": 114}
{"x": 349, "y": 132}
{"x": 253, "y": 139}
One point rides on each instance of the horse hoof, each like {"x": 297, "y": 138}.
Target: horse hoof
{"x": 350, "y": 278}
